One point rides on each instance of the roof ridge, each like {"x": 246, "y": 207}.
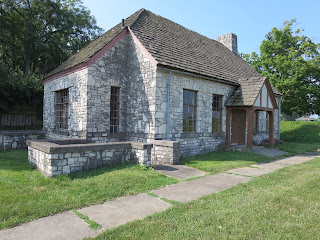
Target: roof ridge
{"x": 211, "y": 39}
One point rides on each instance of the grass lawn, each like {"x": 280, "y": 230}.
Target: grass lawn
{"x": 300, "y": 137}
{"x": 301, "y": 132}
{"x": 296, "y": 148}
{"x": 281, "y": 205}
{"x": 26, "y": 195}
{"x": 220, "y": 161}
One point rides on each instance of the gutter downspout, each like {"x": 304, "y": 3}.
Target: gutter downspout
{"x": 168, "y": 106}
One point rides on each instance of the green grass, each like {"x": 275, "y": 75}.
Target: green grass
{"x": 296, "y": 148}
{"x": 299, "y": 137}
{"x": 220, "y": 161}
{"x": 300, "y": 132}
{"x": 91, "y": 223}
{"x": 280, "y": 205}
{"x": 25, "y": 194}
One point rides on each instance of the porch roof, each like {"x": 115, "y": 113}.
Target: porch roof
{"x": 247, "y": 92}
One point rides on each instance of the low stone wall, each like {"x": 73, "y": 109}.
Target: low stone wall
{"x": 17, "y": 139}
{"x": 165, "y": 152}
{"x": 68, "y": 156}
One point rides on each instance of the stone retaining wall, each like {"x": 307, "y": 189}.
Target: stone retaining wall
{"x": 165, "y": 152}
{"x": 68, "y": 156}
{"x": 17, "y": 139}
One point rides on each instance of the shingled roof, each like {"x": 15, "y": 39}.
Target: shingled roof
{"x": 173, "y": 46}
{"x": 246, "y": 94}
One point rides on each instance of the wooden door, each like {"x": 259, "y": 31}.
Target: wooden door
{"x": 238, "y": 127}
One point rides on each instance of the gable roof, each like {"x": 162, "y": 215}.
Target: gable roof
{"x": 95, "y": 46}
{"x": 248, "y": 91}
{"x": 172, "y": 46}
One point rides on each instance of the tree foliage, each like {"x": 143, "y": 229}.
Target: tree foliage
{"x": 36, "y": 36}
{"x": 292, "y": 63}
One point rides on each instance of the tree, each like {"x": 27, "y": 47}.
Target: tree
{"x": 292, "y": 63}
{"x": 37, "y": 36}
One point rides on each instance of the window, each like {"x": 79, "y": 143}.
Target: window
{"x": 114, "y": 109}
{"x": 216, "y": 113}
{"x": 189, "y": 110}
{"x": 61, "y": 107}
{"x": 267, "y": 121}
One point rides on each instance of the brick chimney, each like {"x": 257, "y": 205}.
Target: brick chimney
{"x": 230, "y": 41}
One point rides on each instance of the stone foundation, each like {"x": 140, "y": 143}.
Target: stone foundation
{"x": 17, "y": 139}
{"x": 258, "y": 137}
{"x": 69, "y": 156}
{"x": 198, "y": 143}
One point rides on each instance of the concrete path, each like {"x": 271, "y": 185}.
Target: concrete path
{"x": 180, "y": 172}
{"x": 269, "y": 166}
{"x": 310, "y": 154}
{"x": 62, "y": 226}
{"x": 250, "y": 171}
{"x": 125, "y": 209}
{"x": 294, "y": 160}
{"x": 188, "y": 191}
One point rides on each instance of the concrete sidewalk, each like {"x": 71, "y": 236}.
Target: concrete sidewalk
{"x": 125, "y": 209}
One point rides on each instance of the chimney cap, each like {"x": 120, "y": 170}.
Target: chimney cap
{"x": 122, "y": 23}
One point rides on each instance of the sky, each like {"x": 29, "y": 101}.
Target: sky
{"x": 250, "y": 20}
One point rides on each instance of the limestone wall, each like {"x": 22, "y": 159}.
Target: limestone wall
{"x": 165, "y": 152}
{"x": 17, "y": 139}
{"x": 191, "y": 143}
{"x": 141, "y": 106}
{"x": 55, "y": 159}
{"x": 124, "y": 66}
{"x": 258, "y": 137}
{"x": 77, "y": 123}
{"x": 108, "y": 70}
{"x": 59, "y": 157}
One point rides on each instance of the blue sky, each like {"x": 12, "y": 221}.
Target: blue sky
{"x": 249, "y": 19}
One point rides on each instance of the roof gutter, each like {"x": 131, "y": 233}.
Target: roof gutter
{"x": 161, "y": 67}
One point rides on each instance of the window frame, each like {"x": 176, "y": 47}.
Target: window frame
{"x": 194, "y": 112}
{"x": 62, "y": 109}
{"x": 117, "y": 104}
{"x": 219, "y": 109}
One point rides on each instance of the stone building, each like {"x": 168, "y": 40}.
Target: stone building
{"x": 149, "y": 78}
